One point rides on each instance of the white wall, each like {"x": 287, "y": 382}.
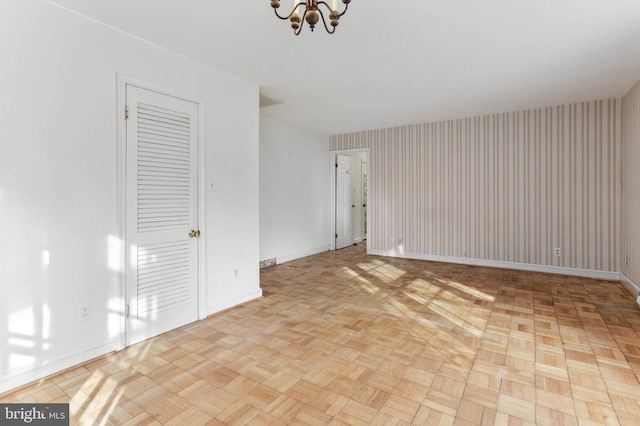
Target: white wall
{"x": 58, "y": 195}
{"x": 294, "y": 191}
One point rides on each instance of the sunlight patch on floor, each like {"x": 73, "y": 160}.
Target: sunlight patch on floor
{"x": 433, "y": 291}
{"x": 367, "y": 266}
{"x": 87, "y": 390}
{"x": 460, "y": 322}
{"x": 364, "y": 283}
{"x": 97, "y": 398}
{"x": 469, "y": 290}
{"x": 387, "y": 273}
{"x": 416, "y": 297}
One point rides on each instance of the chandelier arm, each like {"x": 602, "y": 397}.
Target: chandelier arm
{"x": 346, "y": 6}
{"x": 324, "y": 22}
{"x": 284, "y": 18}
{"x": 299, "y": 30}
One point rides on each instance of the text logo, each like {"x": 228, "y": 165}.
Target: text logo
{"x": 34, "y": 414}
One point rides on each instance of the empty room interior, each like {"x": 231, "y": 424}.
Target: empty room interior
{"x": 345, "y": 212}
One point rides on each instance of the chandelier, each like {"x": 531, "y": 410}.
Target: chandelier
{"x": 312, "y": 14}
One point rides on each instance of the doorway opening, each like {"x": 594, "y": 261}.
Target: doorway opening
{"x": 350, "y": 198}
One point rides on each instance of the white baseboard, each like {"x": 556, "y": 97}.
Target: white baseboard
{"x": 214, "y": 309}
{"x": 588, "y": 273}
{"x": 56, "y": 365}
{"x": 630, "y": 285}
{"x": 300, "y": 255}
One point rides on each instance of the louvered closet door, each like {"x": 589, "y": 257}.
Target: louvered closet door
{"x": 161, "y": 211}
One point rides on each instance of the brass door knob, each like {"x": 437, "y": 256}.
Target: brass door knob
{"x": 194, "y": 234}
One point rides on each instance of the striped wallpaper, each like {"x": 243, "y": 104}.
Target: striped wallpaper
{"x": 507, "y": 187}
{"x": 630, "y": 218}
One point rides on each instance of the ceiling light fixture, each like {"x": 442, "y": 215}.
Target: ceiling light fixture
{"x": 312, "y": 14}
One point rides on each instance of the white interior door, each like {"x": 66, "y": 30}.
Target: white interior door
{"x": 162, "y": 252}
{"x": 365, "y": 184}
{"x": 344, "y": 202}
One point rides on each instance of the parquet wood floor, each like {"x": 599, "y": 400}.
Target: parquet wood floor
{"x": 345, "y": 338}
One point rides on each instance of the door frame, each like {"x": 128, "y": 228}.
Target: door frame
{"x": 122, "y": 81}
{"x": 333, "y": 156}
{"x": 344, "y": 212}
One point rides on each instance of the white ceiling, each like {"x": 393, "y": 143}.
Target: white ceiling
{"x": 400, "y": 62}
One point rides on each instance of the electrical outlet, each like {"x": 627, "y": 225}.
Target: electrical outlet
{"x": 236, "y": 272}
{"x": 557, "y": 252}
{"x": 84, "y": 312}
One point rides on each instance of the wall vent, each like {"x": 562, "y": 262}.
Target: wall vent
{"x": 268, "y": 262}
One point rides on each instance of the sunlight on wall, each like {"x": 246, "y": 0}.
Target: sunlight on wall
{"x": 399, "y": 250}
{"x": 28, "y": 334}
{"x": 115, "y": 247}
{"x": 154, "y": 307}
{"x": 21, "y": 335}
{"x": 46, "y": 257}
{"x": 133, "y": 256}
{"x": 22, "y": 324}
{"x": 46, "y": 326}
{"x": 114, "y": 319}
{"x": 114, "y": 253}
{"x": 21, "y": 342}
{"x": 152, "y": 304}
{"x": 19, "y": 362}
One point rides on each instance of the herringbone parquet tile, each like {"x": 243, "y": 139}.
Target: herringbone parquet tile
{"x": 345, "y": 338}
